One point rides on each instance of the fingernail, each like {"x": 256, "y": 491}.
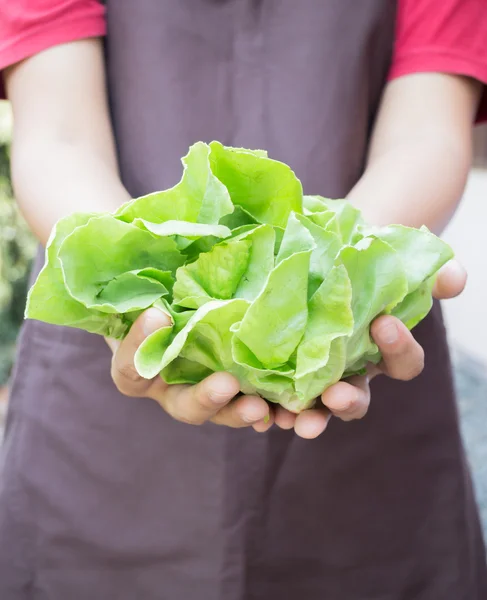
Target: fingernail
{"x": 154, "y": 319}
{"x": 251, "y": 419}
{"x": 253, "y": 416}
{"x": 456, "y": 273}
{"x": 389, "y": 333}
{"x": 219, "y": 397}
{"x": 454, "y": 268}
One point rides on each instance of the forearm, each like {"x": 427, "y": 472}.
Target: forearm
{"x": 420, "y": 153}
{"x": 54, "y": 178}
{"x": 419, "y": 183}
{"x": 63, "y": 152}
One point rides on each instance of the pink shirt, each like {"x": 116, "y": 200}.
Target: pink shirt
{"x": 447, "y": 36}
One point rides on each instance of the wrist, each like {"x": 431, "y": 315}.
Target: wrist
{"x": 413, "y": 185}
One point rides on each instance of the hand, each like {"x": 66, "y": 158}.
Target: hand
{"x": 403, "y": 358}
{"x": 213, "y": 399}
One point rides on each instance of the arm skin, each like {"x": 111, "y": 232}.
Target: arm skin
{"x": 421, "y": 151}
{"x": 63, "y": 153}
{"x": 64, "y": 161}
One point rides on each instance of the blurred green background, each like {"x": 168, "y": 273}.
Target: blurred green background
{"x": 17, "y": 248}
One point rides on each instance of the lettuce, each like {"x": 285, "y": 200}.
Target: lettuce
{"x": 278, "y": 288}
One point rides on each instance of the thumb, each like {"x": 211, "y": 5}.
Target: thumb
{"x": 149, "y": 321}
{"x": 450, "y": 281}
{"x": 124, "y": 373}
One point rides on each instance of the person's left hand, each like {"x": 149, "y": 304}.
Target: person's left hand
{"x": 403, "y": 359}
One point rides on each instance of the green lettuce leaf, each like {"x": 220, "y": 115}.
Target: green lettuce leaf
{"x": 416, "y": 305}
{"x": 379, "y": 283}
{"x": 310, "y": 386}
{"x": 237, "y": 218}
{"x": 105, "y": 249}
{"x": 323, "y": 256}
{"x": 214, "y": 275}
{"x": 148, "y": 357}
{"x": 49, "y": 300}
{"x": 296, "y": 238}
{"x": 254, "y": 377}
{"x": 260, "y": 264}
{"x": 347, "y": 218}
{"x": 329, "y": 316}
{"x": 410, "y": 244}
{"x": 199, "y": 197}
{"x": 206, "y": 338}
{"x": 275, "y": 321}
{"x": 267, "y": 189}
{"x": 303, "y": 234}
{"x": 191, "y": 231}
{"x": 133, "y": 290}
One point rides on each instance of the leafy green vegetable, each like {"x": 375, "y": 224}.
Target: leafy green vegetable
{"x": 103, "y": 250}
{"x": 329, "y": 317}
{"x": 278, "y": 288}
{"x": 215, "y": 274}
{"x": 205, "y": 339}
{"x": 261, "y": 261}
{"x": 199, "y": 197}
{"x": 191, "y": 231}
{"x": 275, "y": 321}
{"x": 267, "y": 189}
{"x": 379, "y": 283}
{"x": 347, "y": 219}
{"x": 49, "y": 300}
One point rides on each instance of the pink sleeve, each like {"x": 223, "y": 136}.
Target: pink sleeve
{"x": 445, "y": 36}
{"x": 30, "y": 26}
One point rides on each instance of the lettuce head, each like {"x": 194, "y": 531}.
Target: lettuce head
{"x": 273, "y": 286}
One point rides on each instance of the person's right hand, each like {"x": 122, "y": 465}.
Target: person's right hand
{"x": 213, "y": 399}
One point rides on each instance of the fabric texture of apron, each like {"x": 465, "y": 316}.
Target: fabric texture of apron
{"x": 104, "y": 497}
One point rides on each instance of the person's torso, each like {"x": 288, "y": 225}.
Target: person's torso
{"x": 301, "y": 80}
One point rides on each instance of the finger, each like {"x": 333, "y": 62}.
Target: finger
{"x": 348, "y": 400}
{"x": 402, "y": 356}
{"x": 243, "y": 412}
{"x": 373, "y": 371}
{"x": 198, "y": 403}
{"x": 265, "y": 424}
{"x": 450, "y": 281}
{"x": 113, "y": 344}
{"x": 311, "y": 423}
{"x": 124, "y": 373}
{"x": 283, "y": 418}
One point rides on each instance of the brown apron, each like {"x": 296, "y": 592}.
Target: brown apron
{"x": 104, "y": 497}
